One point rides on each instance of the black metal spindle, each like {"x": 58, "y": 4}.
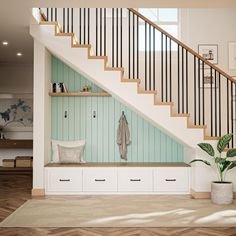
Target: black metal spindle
{"x": 117, "y": 37}
{"x": 84, "y": 26}
{"x": 219, "y": 104}
{"x": 88, "y": 26}
{"x": 211, "y": 101}
{"x": 47, "y": 14}
{"x": 170, "y": 72}
{"x": 194, "y": 90}
{"x": 68, "y": 20}
{"x": 63, "y": 20}
{"x": 227, "y": 95}
{"x": 232, "y": 112}
{"x": 114, "y": 37}
{"x": 72, "y": 20}
{"x": 162, "y": 76}
{"x": 51, "y": 14}
{"x": 186, "y": 71}
{"x": 55, "y": 14}
{"x": 150, "y": 68}
{"x": 154, "y": 60}
{"x": 145, "y": 56}
{"x": 100, "y": 32}
{"x": 137, "y": 31}
{"x": 133, "y": 48}
{"x": 199, "y": 95}
{"x": 121, "y": 39}
{"x": 96, "y": 31}
{"x": 80, "y": 26}
{"x": 105, "y": 32}
{"x": 182, "y": 80}
{"x": 178, "y": 74}
{"x": 166, "y": 68}
{"x": 203, "y": 94}
{"x": 215, "y": 105}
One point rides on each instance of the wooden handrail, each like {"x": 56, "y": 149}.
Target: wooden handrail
{"x": 182, "y": 45}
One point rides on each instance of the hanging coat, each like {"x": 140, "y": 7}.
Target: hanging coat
{"x": 123, "y": 137}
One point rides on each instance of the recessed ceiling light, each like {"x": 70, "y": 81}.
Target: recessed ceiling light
{"x": 4, "y": 43}
{"x": 19, "y": 54}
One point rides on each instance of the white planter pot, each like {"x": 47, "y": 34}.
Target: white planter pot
{"x": 222, "y": 192}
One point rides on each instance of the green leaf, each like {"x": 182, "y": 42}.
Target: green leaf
{"x": 232, "y": 165}
{"x": 231, "y": 153}
{"x": 200, "y": 160}
{"x": 223, "y": 142}
{"x": 207, "y": 148}
{"x": 224, "y": 165}
{"x": 220, "y": 160}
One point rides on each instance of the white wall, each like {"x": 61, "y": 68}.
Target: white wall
{"x": 210, "y": 26}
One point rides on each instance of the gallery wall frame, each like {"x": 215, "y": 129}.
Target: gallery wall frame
{"x": 209, "y": 52}
{"x": 232, "y": 55}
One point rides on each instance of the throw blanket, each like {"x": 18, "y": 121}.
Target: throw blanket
{"x": 123, "y": 136}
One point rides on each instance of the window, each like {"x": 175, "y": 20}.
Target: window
{"x": 166, "y": 18}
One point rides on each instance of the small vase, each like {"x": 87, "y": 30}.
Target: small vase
{"x": 222, "y": 192}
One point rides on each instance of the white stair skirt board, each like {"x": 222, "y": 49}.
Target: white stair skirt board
{"x": 110, "y": 81}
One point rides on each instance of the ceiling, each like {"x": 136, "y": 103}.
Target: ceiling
{"x": 15, "y": 17}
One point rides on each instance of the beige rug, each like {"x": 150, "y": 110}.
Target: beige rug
{"x": 121, "y": 211}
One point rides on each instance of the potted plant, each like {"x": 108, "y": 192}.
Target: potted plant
{"x": 221, "y": 190}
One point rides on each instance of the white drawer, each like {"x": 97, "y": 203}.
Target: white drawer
{"x": 171, "y": 179}
{"x": 99, "y": 179}
{"x": 63, "y": 179}
{"x": 135, "y": 179}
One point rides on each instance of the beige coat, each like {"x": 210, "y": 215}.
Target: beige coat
{"x": 123, "y": 137}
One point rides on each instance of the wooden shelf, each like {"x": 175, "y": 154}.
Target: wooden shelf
{"x": 16, "y": 143}
{"x": 82, "y": 94}
{"x": 15, "y": 170}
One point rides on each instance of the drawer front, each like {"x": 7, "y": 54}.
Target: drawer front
{"x": 170, "y": 179}
{"x": 99, "y": 179}
{"x": 63, "y": 180}
{"x": 135, "y": 179}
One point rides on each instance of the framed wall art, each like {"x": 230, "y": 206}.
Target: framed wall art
{"x": 209, "y": 52}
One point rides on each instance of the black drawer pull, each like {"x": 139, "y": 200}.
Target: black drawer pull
{"x": 100, "y": 180}
{"x": 135, "y": 180}
{"x": 170, "y": 180}
{"x": 64, "y": 180}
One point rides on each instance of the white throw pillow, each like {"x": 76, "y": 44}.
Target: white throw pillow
{"x": 55, "y": 153}
{"x": 70, "y": 154}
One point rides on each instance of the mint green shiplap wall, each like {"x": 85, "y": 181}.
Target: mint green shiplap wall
{"x": 149, "y": 144}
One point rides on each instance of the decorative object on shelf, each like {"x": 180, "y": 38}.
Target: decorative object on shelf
{"x": 221, "y": 190}
{"x": 232, "y": 55}
{"x": 86, "y": 89}
{"x": 209, "y": 52}
{"x": 123, "y": 136}
{"x": 58, "y": 88}
{"x": 15, "y": 114}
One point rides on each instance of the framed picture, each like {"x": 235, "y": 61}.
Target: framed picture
{"x": 16, "y": 112}
{"x": 232, "y": 55}
{"x": 209, "y": 52}
{"x": 209, "y": 80}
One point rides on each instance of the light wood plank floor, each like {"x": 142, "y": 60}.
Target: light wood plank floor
{"x": 15, "y": 190}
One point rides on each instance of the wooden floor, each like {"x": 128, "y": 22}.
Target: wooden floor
{"x": 15, "y": 190}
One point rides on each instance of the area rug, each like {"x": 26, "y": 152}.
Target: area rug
{"x": 121, "y": 211}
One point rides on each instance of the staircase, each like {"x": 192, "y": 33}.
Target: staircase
{"x": 166, "y": 86}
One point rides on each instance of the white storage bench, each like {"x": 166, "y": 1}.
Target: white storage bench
{"x": 117, "y": 178}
